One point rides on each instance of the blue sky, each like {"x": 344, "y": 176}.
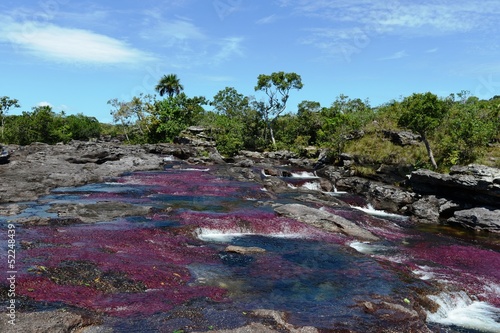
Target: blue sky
{"x": 77, "y": 55}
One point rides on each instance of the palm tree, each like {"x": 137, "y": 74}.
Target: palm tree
{"x": 170, "y": 85}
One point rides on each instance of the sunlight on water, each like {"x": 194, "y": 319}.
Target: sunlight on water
{"x": 460, "y": 310}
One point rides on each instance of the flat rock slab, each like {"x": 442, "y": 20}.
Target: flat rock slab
{"x": 244, "y": 250}
{"x": 324, "y": 220}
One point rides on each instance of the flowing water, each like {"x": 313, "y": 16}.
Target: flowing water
{"x": 169, "y": 269}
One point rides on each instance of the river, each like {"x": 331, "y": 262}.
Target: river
{"x": 169, "y": 270}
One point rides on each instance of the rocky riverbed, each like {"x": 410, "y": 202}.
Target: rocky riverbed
{"x": 287, "y": 202}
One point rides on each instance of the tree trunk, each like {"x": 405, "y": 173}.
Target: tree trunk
{"x": 272, "y": 137}
{"x": 429, "y": 151}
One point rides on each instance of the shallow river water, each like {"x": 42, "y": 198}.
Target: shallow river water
{"x": 169, "y": 269}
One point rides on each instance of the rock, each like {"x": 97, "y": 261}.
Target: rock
{"x": 244, "y": 250}
{"x": 280, "y": 319}
{"x": 47, "y": 321}
{"x": 36, "y": 169}
{"x": 478, "y": 218}
{"x": 252, "y": 154}
{"x": 245, "y": 163}
{"x": 385, "y": 197}
{"x": 251, "y": 328}
{"x": 471, "y": 184}
{"x": 324, "y": 220}
{"x": 403, "y": 138}
{"x": 280, "y": 155}
{"x": 431, "y": 209}
{"x": 98, "y": 212}
{"x": 326, "y": 185}
{"x": 195, "y": 136}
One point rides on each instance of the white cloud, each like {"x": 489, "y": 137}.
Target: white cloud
{"x": 44, "y": 104}
{"x": 57, "y": 43}
{"x": 397, "y": 55}
{"x": 403, "y": 17}
{"x": 171, "y": 32}
{"x": 228, "y": 47}
{"x": 267, "y": 19}
{"x": 434, "y": 50}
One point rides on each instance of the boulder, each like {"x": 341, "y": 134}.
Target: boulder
{"x": 478, "y": 218}
{"x": 403, "y": 138}
{"x": 324, "y": 220}
{"x": 476, "y": 184}
{"x": 390, "y": 198}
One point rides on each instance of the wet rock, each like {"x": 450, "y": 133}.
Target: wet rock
{"x": 396, "y": 317}
{"x": 49, "y": 321}
{"x": 244, "y": 250}
{"x": 97, "y": 212}
{"x": 324, "y": 220}
{"x": 251, "y": 328}
{"x": 478, "y": 218}
{"x": 280, "y": 319}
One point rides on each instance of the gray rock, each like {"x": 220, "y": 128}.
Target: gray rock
{"x": 324, "y": 220}
{"x": 469, "y": 184}
{"x": 244, "y": 250}
{"x": 478, "y": 218}
{"x": 44, "y": 322}
{"x": 403, "y": 138}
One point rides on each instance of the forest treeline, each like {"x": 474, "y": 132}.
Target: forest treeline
{"x": 457, "y": 129}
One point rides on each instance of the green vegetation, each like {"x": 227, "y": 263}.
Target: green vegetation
{"x": 458, "y": 129}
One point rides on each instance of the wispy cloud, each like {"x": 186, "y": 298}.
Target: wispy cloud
{"x": 62, "y": 44}
{"x": 433, "y": 50}
{"x": 228, "y": 48}
{"x": 427, "y": 18}
{"x": 397, "y": 55}
{"x": 173, "y": 31}
{"x": 267, "y": 19}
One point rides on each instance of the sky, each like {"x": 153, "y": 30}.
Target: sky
{"x": 77, "y": 55}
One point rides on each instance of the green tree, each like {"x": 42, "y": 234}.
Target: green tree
{"x": 169, "y": 85}
{"x": 343, "y": 121}
{"x": 470, "y": 126}
{"x": 6, "y": 104}
{"x": 277, "y": 87}
{"x": 423, "y": 113}
{"x": 174, "y": 114}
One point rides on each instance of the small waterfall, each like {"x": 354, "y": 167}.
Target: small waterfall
{"x": 459, "y": 309}
{"x": 375, "y": 212}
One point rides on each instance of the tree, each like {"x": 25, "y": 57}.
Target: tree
{"x": 5, "y": 104}
{"x": 169, "y": 85}
{"x": 277, "y": 87}
{"x": 423, "y": 113}
{"x": 174, "y": 114}
{"x": 343, "y": 121}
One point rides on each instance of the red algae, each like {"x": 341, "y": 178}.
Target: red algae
{"x": 152, "y": 257}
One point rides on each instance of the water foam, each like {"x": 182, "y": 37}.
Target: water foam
{"x": 304, "y": 175}
{"x": 226, "y": 236}
{"x": 375, "y": 212}
{"x": 367, "y": 247}
{"x": 459, "y": 309}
